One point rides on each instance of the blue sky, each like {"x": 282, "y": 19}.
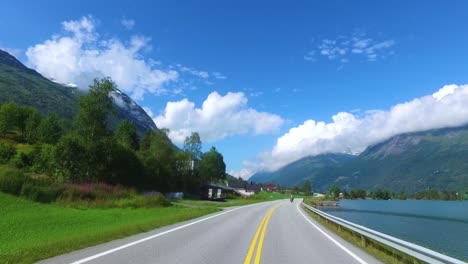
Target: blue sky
{"x": 292, "y": 62}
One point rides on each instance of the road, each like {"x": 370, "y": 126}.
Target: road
{"x": 270, "y": 232}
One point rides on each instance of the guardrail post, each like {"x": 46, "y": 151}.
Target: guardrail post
{"x": 363, "y": 241}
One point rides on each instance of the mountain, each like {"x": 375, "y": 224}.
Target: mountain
{"x": 436, "y": 159}
{"x": 25, "y": 86}
{"x": 128, "y": 109}
{"x": 300, "y": 170}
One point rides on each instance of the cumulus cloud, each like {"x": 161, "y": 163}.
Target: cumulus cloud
{"x": 79, "y": 55}
{"x": 219, "y": 117}
{"x": 348, "y": 132}
{"x": 344, "y": 48}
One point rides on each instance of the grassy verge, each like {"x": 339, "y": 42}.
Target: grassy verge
{"x": 380, "y": 251}
{"x": 32, "y": 231}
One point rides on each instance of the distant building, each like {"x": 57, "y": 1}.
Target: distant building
{"x": 271, "y": 187}
{"x": 244, "y": 188}
{"x": 214, "y": 192}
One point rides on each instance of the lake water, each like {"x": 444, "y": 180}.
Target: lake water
{"x": 439, "y": 225}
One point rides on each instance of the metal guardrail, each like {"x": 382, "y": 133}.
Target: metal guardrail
{"x": 418, "y": 252}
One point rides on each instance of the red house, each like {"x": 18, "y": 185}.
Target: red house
{"x": 271, "y": 187}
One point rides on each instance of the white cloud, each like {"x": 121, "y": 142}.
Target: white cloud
{"x": 349, "y": 132}
{"x": 218, "y": 118}
{"x": 219, "y": 76}
{"x": 243, "y": 173}
{"x": 444, "y": 91}
{"x": 79, "y": 55}
{"x": 201, "y": 74}
{"x": 358, "y": 44}
{"x": 128, "y": 23}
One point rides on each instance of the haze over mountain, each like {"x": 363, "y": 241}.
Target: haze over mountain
{"x": 409, "y": 162}
{"x": 25, "y": 86}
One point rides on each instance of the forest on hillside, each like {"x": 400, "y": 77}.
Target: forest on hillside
{"x": 41, "y": 154}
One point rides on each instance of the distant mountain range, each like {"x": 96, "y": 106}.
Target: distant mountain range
{"x": 25, "y": 86}
{"x": 435, "y": 159}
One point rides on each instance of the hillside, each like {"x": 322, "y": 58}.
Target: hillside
{"x": 25, "y": 86}
{"x": 409, "y": 162}
{"x": 305, "y": 168}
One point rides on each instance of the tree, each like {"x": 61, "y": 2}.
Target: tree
{"x": 185, "y": 176}
{"x": 31, "y": 126}
{"x": 381, "y": 194}
{"x": 346, "y": 195}
{"x": 124, "y": 167}
{"x": 212, "y": 166}
{"x": 334, "y": 192}
{"x": 95, "y": 108}
{"x": 193, "y": 145}
{"x": 358, "y": 194}
{"x": 126, "y": 135}
{"x": 8, "y": 117}
{"x": 23, "y": 113}
{"x": 158, "y": 156}
{"x": 44, "y": 160}
{"x": 295, "y": 188}
{"x": 145, "y": 143}
{"x": 91, "y": 135}
{"x": 49, "y": 130}
{"x": 306, "y": 187}
{"x": 71, "y": 159}
{"x": 23, "y": 119}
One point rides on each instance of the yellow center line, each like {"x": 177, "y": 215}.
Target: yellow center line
{"x": 260, "y": 230}
{"x": 254, "y": 241}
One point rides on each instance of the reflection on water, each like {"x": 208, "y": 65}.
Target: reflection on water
{"x": 438, "y": 225}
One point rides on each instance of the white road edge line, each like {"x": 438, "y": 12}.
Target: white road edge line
{"x": 360, "y": 260}
{"x": 156, "y": 235}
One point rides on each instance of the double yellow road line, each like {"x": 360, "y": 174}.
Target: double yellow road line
{"x": 260, "y": 232}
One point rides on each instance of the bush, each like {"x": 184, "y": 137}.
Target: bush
{"x": 7, "y": 152}
{"x": 40, "y": 193}
{"x": 152, "y": 200}
{"x": 22, "y": 160}
{"x": 43, "y": 161}
{"x": 94, "y": 191}
{"x": 147, "y": 200}
{"x": 12, "y": 180}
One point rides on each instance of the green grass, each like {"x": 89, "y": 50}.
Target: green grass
{"x": 32, "y": 231}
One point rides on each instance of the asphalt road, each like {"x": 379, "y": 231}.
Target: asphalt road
{"x": 271, "y": 232}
